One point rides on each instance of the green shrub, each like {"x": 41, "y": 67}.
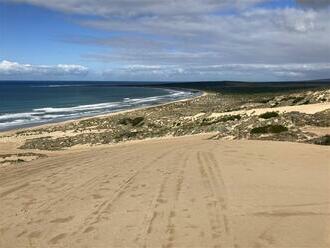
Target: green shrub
{"x": 324, "y": 140}
{"x": 132, "y": 121}
{"x": 137, "y": 120}
{"x": 298, "y": 99}
{"x": 269, "y": 115}
{"x": 269, "y": 129}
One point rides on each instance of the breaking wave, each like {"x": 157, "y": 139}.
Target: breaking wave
{"x": 55, "y": 114}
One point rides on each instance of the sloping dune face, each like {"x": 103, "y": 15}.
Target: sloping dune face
{"x": 181, "y": 192}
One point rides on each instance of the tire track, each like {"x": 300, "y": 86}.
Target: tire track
{"x": 43, "y": 208}
{"x": 213, "y": 215}
{"x": 218, "y": 204}
{"x": 171, "y": 230}
{"x": 89, "y": 184}
{"x": 225, "y": 202}
{"x": 106, "y": 206}
{"x": 151, "y": 215}
{"x": 156, "y": 208}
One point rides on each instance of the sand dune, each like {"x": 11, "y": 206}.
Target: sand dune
{"x": 180, "y": 192}
{"x": 306, "y": 109}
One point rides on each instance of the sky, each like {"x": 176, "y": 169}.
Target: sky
{"x": 164, "y": 40}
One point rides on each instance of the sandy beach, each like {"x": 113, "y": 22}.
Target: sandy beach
{"x": 178, "y": 192}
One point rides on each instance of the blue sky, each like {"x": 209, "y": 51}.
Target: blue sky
{"x": 164, "y": 40}
{"x": 35, "y": 35}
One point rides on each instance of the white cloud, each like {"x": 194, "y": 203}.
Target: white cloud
{"x": 243, "y": 72}
{"x": 134, "y": 8}
{"x": 282, "y": 36}
{"x": 224, "y": 38}
{"x": 14, "y": 69}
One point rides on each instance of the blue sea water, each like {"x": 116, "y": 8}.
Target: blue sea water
{"x": 25, "y": 104}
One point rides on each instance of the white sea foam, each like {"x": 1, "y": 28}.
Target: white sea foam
{"x": 78, "y": 108}
{"x": 58, "y": 85}
{"x": 13, "y": 123}
{"x": 16, "y": 115}
{"x": 49, "y": 114}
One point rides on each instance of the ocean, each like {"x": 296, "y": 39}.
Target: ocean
{"x": 25, "y": 104}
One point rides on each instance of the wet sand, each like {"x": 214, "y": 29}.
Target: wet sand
{"x": 176, "y": 192}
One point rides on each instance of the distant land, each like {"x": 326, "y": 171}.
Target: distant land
{"x": 242, "y": 87}
{"x": 223, "y": 86}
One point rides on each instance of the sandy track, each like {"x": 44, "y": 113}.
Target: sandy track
{"x": 183, "y": 192}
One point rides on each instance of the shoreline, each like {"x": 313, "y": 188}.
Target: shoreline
{"x": 105, "y": 115}
{"x": 221, "y": 116}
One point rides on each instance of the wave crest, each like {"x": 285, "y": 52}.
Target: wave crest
{"x": 54, "y": 114}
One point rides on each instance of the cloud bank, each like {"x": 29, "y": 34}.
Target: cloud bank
{"x": 213, "y": 39}
{"x": 244, "y": 72}
{"x": 140, "y": 8}
{"x": 9, "y": 70}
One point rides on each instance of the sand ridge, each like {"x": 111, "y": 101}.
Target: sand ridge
{"x": 181, "y": 192}
{"x": 306, "y": 109}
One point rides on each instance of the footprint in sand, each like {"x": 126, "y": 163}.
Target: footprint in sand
{"x": 57, "y": 238}
{"x": 62, "y": 220}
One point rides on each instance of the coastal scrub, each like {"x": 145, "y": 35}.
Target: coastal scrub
{"x": 269, "y": 115}
{"x": 269, "y": 129}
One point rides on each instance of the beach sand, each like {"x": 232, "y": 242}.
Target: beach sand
{"x": 176, "y": 192}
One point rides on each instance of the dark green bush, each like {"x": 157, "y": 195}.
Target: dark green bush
{"x": 269, "y": 115}
{"x": 132, "y": 121}
{"x": 324, "y": 140}
{"x": 298, "y": 99}
{"x": 124, "y": 121}
{"x": 269, "y": 129}
{"x": 137, "y": 120}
